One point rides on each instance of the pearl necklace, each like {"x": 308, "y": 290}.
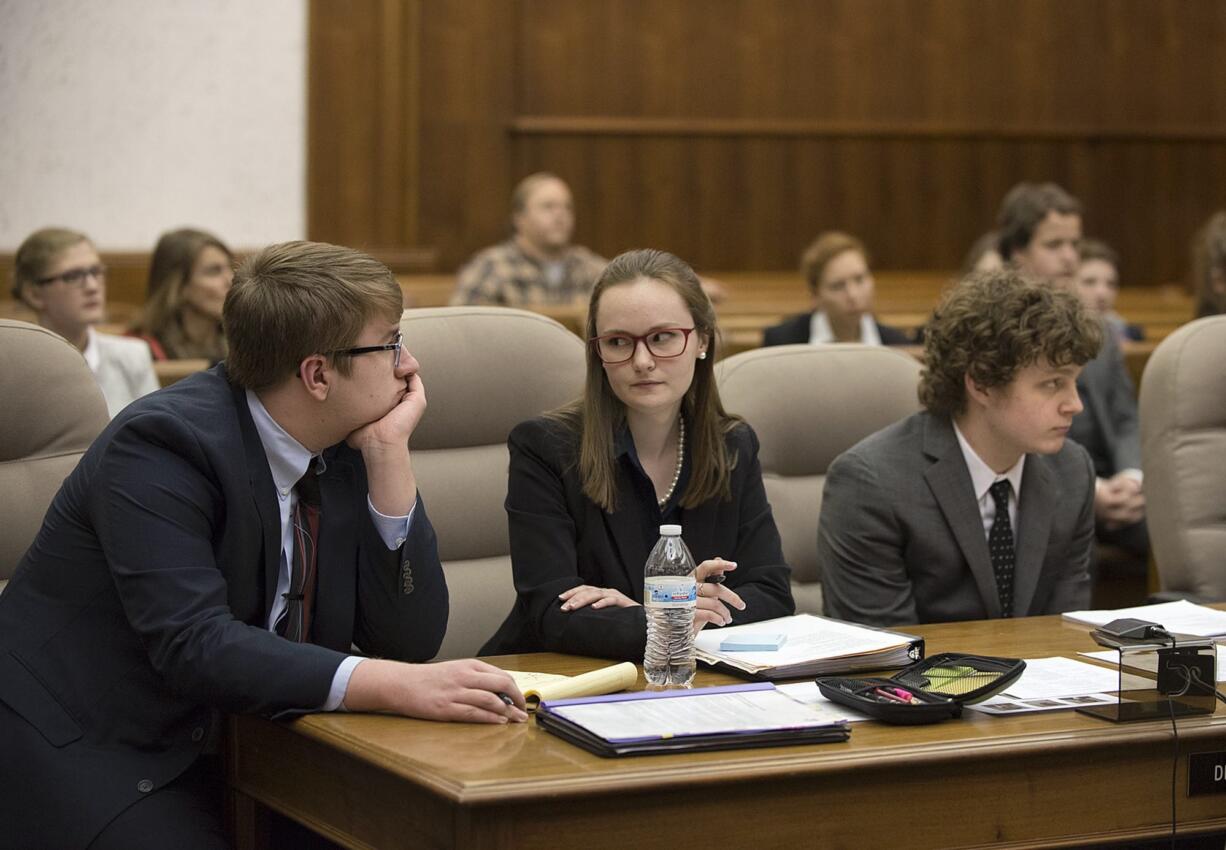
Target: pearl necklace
{"x": 680, "y": 457}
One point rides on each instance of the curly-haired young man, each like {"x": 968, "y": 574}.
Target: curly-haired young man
{"x": 977, "y": 506}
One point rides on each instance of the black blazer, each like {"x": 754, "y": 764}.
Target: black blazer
{"x": 141, "y": 608}
{"x": 561, "y": 539}
{"x": 796, "y": 329}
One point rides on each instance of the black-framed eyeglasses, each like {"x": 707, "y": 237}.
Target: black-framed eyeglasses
{"x": 368, "y": 349}
{"x": 662, "y": 343}
{"x": 76, "y": 277}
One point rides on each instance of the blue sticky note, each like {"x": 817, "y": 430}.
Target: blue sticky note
{"x": 755, "y": 642}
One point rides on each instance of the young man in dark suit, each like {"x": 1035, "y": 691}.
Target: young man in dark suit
{"x": 1040, "y": 234}
{"x": 220, "y": 548}
{"x": 977, "y": 506}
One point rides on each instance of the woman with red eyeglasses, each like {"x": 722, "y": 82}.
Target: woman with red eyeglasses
{"x": 648, "y": 443}
{"x": 57, "y": 273}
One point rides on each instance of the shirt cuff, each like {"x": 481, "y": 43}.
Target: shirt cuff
{"x": 1135, "y": 474}
{"x": 340, "y": 683}
{"x": 393, "y": 529}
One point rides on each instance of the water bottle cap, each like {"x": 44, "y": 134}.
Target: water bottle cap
{"x": 670, "y": 531}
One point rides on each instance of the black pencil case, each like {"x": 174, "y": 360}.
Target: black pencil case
{"x": 929, "y": 691}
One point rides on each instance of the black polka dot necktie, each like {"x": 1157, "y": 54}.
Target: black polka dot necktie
{"x": 1000, "y": 545}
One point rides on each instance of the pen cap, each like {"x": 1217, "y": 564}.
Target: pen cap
{"x": 670, "y": 531}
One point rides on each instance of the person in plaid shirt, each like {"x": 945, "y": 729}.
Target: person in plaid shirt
{"x": 537, "y": 265}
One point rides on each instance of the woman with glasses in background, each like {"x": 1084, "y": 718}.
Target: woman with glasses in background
{"x": 648, "y": 443}
{"x": 189, "y": 277}
{"x": 57, "y": 273}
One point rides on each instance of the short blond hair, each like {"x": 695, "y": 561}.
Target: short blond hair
{"x": 824, "y": 248}
{"x": 296, "y": 299}
{"x": 38, "y": 252}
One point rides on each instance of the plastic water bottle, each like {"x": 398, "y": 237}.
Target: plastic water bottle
{"x": 670, "y": 597}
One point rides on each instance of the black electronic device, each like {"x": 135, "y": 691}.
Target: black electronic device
{"x": 1132, "y": 629}
{"x": 1129, "y": 632}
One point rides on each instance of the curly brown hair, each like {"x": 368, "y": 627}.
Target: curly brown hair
{"x": 993, "y": 324}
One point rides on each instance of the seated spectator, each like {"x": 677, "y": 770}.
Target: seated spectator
{"x": 983, "y": 255}
{"x": 1040, "y": 234}
{"x": 1098, "y": 284}
{"x": 977, "y": 506}
{"x": 189, "y": 277}
{"x": 648, "y": 443}
{"x": 1209, "y": 266}
{"x": 538, "y": 264}
{"x": 58, "y": 274}
{"x": 835, "y": 267}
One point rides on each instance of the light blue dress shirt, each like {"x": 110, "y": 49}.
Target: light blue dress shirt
{"x": 288, "y": 460}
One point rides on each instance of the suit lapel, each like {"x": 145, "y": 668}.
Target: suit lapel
{"x": 263, "y": 496}
{"x": 950, "y": 484}
{"x": 1035, "y": 510}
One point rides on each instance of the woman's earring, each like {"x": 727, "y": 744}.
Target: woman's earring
{"x": 702, "y": 355}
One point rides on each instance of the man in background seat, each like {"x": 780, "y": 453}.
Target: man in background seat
{"x": 1040, "y": 234}
{"x": 538, "y": 265}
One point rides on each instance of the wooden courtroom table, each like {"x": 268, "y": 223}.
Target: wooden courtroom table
{"x": 1051, "y": 778}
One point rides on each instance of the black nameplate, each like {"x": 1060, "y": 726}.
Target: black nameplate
{"x": 1206, "y": 773}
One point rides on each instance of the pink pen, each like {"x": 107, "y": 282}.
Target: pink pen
{"x": 905, "y": 696}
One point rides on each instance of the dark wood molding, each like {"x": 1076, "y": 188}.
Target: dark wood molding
{"x": 615, "y": 125}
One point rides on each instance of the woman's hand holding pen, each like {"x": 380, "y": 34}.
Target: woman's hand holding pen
{"x": 713, "y": 597}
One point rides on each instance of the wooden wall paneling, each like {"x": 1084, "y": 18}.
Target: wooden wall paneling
{"x": 468, "y": 66}
{"x": 732, "y": 131}
{"x": 363, "y": 104}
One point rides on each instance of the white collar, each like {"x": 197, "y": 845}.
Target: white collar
{"x": 982, "y": 475}
{"x": 821, "y": 332}
{"x": 92, "y": 356}
{"x": 288, "y": 459}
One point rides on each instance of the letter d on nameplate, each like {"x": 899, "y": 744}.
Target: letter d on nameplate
{"x": 1206, "y": 773}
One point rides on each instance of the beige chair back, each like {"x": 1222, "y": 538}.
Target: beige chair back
{"x": 808, "y": 404}
{"x": 1183, "y": 449}
{"x": 51, "y": 410}
{"x": 486, "y": 369}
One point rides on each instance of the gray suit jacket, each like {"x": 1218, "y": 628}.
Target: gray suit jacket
{"x": 1108, "y": 428}
{"x": 901, "y": 539}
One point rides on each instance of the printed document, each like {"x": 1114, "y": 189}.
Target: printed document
{"x": 702, "y": 714}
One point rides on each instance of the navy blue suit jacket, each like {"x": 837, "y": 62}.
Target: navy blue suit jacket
{"x": 140, "y": 609}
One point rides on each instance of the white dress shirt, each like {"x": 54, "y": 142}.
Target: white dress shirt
{"x": 122, "y": 367}
{"x": 821, "y": 332}
{"x": 982, "y": 479}
{"x": 288, "y": 460}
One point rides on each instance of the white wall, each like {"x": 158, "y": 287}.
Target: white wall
{"x": 125, "y": 118}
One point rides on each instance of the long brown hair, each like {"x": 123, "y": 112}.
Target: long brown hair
{"x": 1209, "y": 266}
{"x": 599, "y": 413}
{"x": 169, "y": 271}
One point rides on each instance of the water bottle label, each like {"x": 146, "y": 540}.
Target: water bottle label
{"x": 671, "y": 591}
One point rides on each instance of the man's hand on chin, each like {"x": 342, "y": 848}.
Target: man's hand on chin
{"x": 394, "y": 429}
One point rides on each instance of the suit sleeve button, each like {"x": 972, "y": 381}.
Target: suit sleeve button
{"x": 144, "y": 786}
{"x": 197, "y": 735}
